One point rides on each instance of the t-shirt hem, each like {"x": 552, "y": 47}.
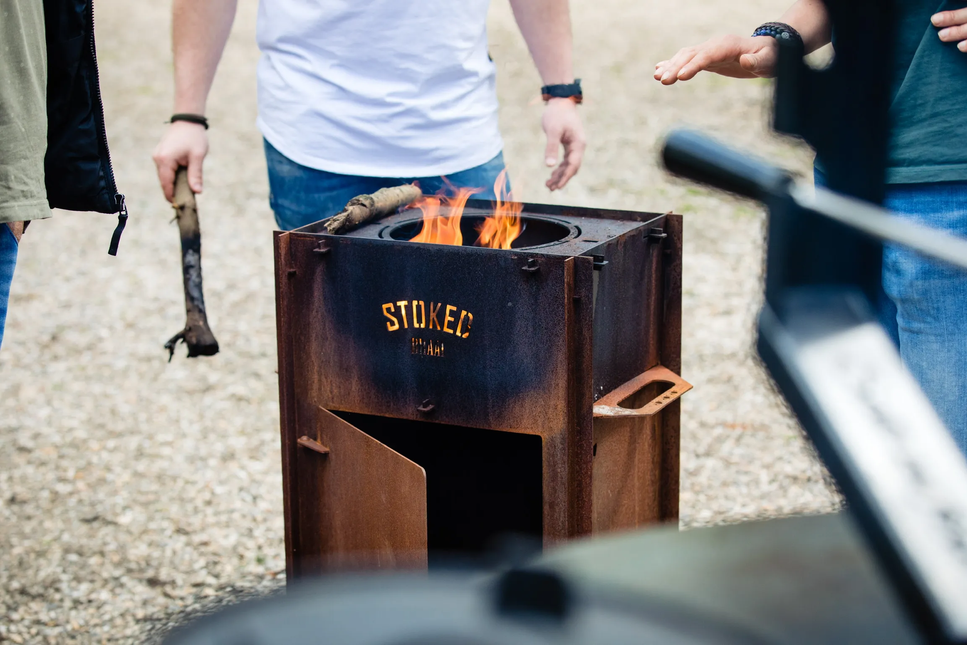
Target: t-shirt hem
{"x": 926, "y": 174}
{"x": 363, "y": 170}
{"x": 25, "y": 211}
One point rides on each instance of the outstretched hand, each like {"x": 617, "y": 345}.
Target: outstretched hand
{"x": 953, "y": 27}
{"x": 562, "y": 125}
{"x": 733, "y": 56}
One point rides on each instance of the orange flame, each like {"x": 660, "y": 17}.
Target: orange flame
{"x": 497, "y": 232}
{"x": 439, "y": 229}
{"x": 503, "y": 227}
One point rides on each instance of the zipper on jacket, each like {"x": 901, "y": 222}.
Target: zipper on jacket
{"x": 102, "y": 131}
{"x": 122, "y": 220}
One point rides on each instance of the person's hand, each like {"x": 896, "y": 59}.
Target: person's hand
{"x": 562, "y": 125}
{"x": 733, "y": 56}
{"x": 953, "y": 27}
{"x": 183, "y": 144}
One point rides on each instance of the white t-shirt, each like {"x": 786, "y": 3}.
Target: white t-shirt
{"x": 380, "y": 88}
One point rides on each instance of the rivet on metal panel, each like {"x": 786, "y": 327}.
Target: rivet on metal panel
{"x": 323, "y": 248}
{"x": 531, "y": 265}
{"x": 313, "y": 445}
{"x": 291, "y": 273}
{"x": 426, "y": 407}
{"x": 657, "y": 234}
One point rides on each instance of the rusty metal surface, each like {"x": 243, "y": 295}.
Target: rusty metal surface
{"x": 487, "y": 346}
{"x": 594, "y": 224}
{"x": 521, "y": 341}
{"x": 627, "y": 311}
{"x": 287, "y": 405}
{"x": 616, "y": 403}
{"x": 480, "y": 485}
{"x": 627, "y": 308}
{"x": 581, "y": 397}
{"x": 669, "y": 429}
{"x": 362, "y": 505}
{"x": 313, "y": 445}
{"x": 627, "y": 473}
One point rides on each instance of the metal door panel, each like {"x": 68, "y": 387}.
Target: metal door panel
{"x": 361, "y": 504}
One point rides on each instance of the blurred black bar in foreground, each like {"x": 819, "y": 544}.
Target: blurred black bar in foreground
{"x": 902, "y": 474}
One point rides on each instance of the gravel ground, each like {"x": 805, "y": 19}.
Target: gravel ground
{"x": 133, "y": 490}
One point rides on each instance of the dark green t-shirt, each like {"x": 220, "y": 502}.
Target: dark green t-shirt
{"x": 23, "y": 110}
{"x": 929, "y": 109}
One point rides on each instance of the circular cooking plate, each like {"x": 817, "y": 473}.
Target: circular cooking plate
{"x": 537, "y": 231}
{"x": 450, "y": 609}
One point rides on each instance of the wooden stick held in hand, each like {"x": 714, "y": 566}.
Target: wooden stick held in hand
{"x": 364, "y": 208}
{"x": 197, "y": 335}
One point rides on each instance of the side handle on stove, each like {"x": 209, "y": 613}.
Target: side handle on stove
{"x": 311, "y": 444}
{"x": 609, "y": 406}
{"x": 695, "y": 156}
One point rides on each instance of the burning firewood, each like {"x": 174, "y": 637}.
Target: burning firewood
{"x": 364, "y": 208}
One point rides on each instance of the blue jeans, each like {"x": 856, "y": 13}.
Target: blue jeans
{"x": 300, "y": 195}
{"x": 931, "y": 301}
{"x": 8, "y": 260}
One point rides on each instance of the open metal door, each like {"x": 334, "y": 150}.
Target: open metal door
{"x": 360, "y": 504}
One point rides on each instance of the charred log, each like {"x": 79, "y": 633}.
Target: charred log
{"x": 197, "y": 335}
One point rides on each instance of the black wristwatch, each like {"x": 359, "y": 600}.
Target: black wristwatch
{"x": 563, "y": 91}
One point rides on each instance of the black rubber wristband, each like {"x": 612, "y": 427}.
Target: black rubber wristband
{"x": 563, "y": 91}
{"x": 779, "y": 31}
{"x": 190, "y": 118}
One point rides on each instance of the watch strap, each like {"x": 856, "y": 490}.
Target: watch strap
{"x": 563, "y": 91}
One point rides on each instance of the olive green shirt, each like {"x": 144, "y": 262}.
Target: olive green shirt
{"x": 23, "y": 110}
{"x": 929, "y": 109}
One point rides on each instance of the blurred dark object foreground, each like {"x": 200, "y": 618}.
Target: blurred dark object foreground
{"x": 400, "y": 609}
{"x": 790, "y": 581}
{"x": 896, "y": 464}
{"x": 901, "y": 472}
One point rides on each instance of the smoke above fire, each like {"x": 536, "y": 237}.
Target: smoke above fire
{"x": 498, "y": 230}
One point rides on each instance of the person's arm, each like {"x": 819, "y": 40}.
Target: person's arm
{"x": 199, "y": 31}
{"x": 546, "y": 27}
{"x": 953, "y": 27}
{"x": 746, "y": 57}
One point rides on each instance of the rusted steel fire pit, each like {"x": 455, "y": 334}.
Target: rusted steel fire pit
{"x": 436, "y": 396}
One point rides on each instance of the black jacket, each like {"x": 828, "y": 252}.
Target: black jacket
{"x": 78, "y": 163}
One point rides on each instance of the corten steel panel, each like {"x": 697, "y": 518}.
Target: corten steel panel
{"x": 529, "y": 370}
{"x": 626, "y": 473}
{"x": 669, "y": 430}
{"x": 287, "y": 404}
{"x": 628, "y": 450}
{"x": 594, "y": 225}
{"x": 487, "y": 348}
{"x": 360, "y": 505}
{"x": 627, "y": 313}
{"x": 581, "y": 397}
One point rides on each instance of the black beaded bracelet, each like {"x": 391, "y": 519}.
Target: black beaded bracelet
{"x": 779, "y": 31}
{"x": 190, "y": 118}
